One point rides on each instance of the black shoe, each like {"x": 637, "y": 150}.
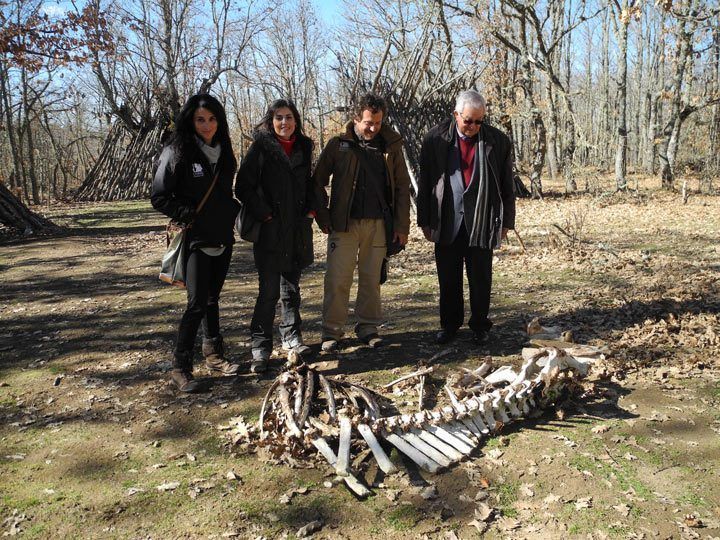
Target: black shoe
{"x": 482, "y": 337}
{"x": 444, "y": 336}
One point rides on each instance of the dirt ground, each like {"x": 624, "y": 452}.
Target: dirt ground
{"x": 94, "y": 443}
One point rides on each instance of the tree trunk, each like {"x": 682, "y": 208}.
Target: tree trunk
{"x": 552, "y": 130}
{"x": 621, "y": 151}
{"x": 14, "y": 214}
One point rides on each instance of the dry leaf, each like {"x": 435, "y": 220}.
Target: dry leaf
{"x": 481, "y": 526}
{"x": 585, "y": 502}
{"x": 309, "y": 529}
{"x": 623, "y": 509}
{"x": 526, "y": 490}
{"x": 495, "y": 453}
{"x": 169, "y": 486}
{"x": 551, "y": 499}
{"x": 602, "y": 428}
{"x": 483, "y": 512}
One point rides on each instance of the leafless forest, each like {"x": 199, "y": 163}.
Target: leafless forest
{"x": 610, "y": 86}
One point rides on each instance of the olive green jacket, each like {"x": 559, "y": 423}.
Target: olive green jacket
{"x": 339, "y": 160}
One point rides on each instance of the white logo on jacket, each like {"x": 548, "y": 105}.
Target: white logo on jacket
{"x": 197, "y": 170}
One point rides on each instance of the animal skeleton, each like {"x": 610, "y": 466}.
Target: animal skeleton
{"x": 292, "y": 414}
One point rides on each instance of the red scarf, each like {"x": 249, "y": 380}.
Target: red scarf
{"x": 286, "y": 145}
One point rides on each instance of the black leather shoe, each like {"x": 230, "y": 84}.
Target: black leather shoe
{"x": 444, "y": 336}
{"x": 482, "y": 337}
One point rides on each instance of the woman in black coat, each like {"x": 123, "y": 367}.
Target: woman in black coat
{"x": 274, "y": 181}
{"x": 198, "y": 151}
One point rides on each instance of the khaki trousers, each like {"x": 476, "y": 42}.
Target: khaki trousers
{"x": 363, "y": 245}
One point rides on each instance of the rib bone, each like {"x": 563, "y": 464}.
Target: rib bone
{"x": 383, "y": 461}
{"x": 420, "y": 459}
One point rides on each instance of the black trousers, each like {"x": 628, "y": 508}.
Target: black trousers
{"x": 204, "y": 278}
{"x": 274, "y": 286}
{"x": 478, "y": 265}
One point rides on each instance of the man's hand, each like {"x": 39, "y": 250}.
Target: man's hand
{"x": 504, "y": 233}
{"x": 428, "y": 233}
{"x": 400, "y": 238}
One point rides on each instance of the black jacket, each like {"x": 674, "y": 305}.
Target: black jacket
{"x": 273, "y": 184}
{"x": 180, "y": 183}
{"x": 435, "y": 200}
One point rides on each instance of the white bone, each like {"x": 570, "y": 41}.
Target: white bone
{"x": 287, "y": 411}
{"x": 462, "y": 432}
{"x": 329, "y": 396}
{"x": 342, "y": 467}
{"x": 452, "y": 439}
{"x": 487, "y": 412}
{"x": 351, "y": 482}
{"x": 420, "y": 459}
{"x": 510, "y": 403}
{"x": 441, "y": 446}
{"x": 426, "y": 449}
{"x": 383, "y": 461}
{"x": 418, "y": 373}
{"x": 501, "y": 374}
{"x": 498, "y": 406}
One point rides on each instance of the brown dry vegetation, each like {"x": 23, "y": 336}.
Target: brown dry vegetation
{"x": 89, "y": 428}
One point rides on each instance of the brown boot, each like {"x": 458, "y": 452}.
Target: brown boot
{"x": 181, "y": 374}
{"x": 214, "y": 353}
{"x": 184, "y": 380}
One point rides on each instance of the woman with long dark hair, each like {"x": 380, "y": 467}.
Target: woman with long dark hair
{"x": 274, "y": 181}
{"x": 198, "y": 159}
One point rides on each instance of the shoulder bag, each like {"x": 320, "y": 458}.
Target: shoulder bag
{"x": 172, "y": 268}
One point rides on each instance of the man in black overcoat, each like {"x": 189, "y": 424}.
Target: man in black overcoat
{"x": 466, "y": 205}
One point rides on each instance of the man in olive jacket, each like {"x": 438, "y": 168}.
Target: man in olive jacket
{"x": 370, "y": 183}
{"x": 466, "y": 205}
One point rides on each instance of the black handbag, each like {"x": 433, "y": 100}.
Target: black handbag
{"x": 172, "y": 267}
{"x": 247, "y": 227}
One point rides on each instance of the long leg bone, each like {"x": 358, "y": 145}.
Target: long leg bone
{"x": 383, "y": 461}
{"x": 352, "y": 483}
{"x": 342, "y": 467}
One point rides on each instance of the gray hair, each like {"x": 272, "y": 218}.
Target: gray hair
{"x": 470, "y": 98}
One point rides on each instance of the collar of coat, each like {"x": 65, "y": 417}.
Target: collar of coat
{"x": 393, "y": 140}
{"x": 272, "y": 147}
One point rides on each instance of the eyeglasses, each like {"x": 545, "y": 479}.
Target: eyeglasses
{"x": 468, "y": 121}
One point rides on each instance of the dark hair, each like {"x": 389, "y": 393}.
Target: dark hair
{"x": 371, "y": 102}
{"x": 266, "y": 123}
{"x": 183, "y": 138}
